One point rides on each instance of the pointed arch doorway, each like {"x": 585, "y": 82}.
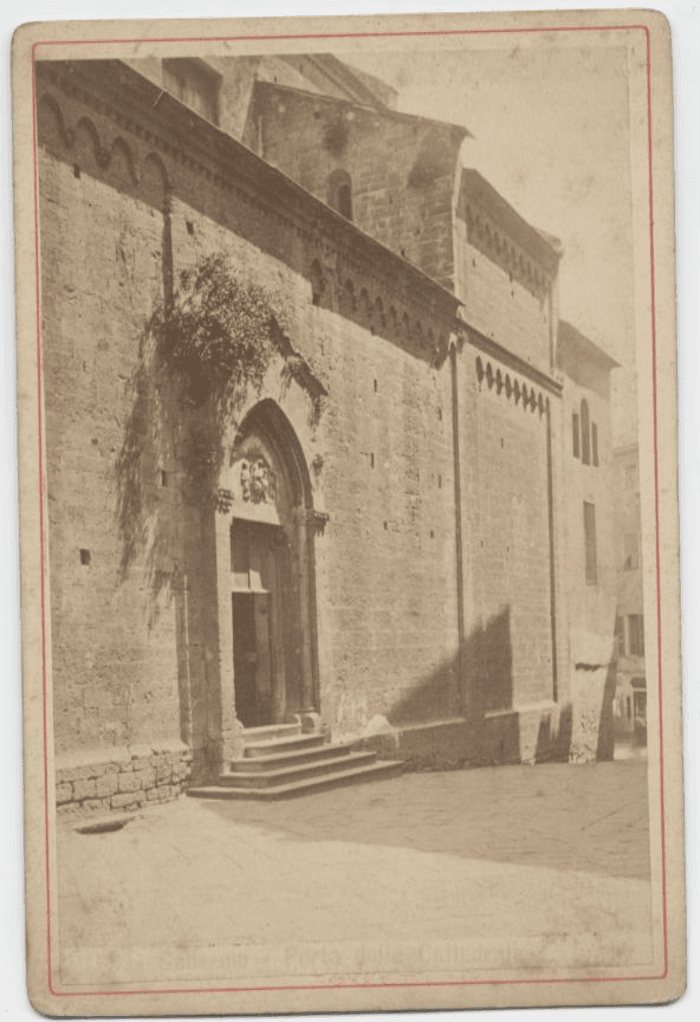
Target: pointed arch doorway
{"x": 272, "y": 576}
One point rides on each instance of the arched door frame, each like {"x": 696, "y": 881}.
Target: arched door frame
{"x": 267, "y": 421}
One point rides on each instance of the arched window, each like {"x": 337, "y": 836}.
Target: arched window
{"x": 585, "y": 433}
{"x": 345, "y": 201}
{"x": 339, "y": 192}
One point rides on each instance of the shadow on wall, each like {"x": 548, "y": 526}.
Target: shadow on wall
{"x": 487, "y": 660}
{"x": 481, "y": 725}
{"x": 435, "y": 698}
{"x": 167, "y": 532}
{"x": 488, "y": 666}
{"x": 143, "y": 476}
{"x": 606, "y": 728}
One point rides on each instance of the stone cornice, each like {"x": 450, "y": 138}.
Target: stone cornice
{"x": 519, "y": 365}
{"x": 487, "y": 214}
{"x": 154, "y": 117}
{"x": 458, "y": 131}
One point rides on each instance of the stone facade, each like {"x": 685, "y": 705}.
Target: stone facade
{"x": 590, "y": 540}
{"x": 394, "y": 519}
{"x": 120, "y": 778}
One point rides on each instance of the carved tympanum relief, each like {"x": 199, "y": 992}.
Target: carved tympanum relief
{"x": 258, "y": 483}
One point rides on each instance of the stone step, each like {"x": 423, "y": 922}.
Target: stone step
{"x": 281, "y": 759}
{"x": 357, "y": 775}
{"x": 269, "y": 732}
{"x": 288, "y": 774}
{"x": 273, "y": 746}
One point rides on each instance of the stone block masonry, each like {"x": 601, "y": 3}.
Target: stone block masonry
{"x": 123, "y": 778}
{"x": 433, "y": 513}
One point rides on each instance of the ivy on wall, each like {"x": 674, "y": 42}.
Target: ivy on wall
{"x": 216, "y": 333}
{"x": 200, "y": 354}
{"x": 215, "y": 338}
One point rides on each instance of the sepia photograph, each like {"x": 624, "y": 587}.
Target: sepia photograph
{"x": 347, "y": 551}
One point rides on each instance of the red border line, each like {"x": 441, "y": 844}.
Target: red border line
{"x": 656, "y": 499}
{"x": 339, "y": 35}
{"x": 42, "y": 545}
{"x": 42, "y": 494}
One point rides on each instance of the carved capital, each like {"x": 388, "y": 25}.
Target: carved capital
{"x": 314, "y": 520}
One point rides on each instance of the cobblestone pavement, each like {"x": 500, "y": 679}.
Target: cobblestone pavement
{"x": 545, "y": 867}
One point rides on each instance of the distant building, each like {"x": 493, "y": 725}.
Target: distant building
{"x": 407, "y": 534}
{"x": 631, "y": 687}
{"x": 590, "y": 517}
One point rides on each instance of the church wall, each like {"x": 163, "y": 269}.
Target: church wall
{"x": 137, "y": 650}
{"x": 401, "y": 169}
{"x": 114, "y": 643}
{"x": 504, "y": 305}
{"x": 388, "y": 553}
{"x": 518, "y": 685}
{"x": 386, "y": 603}
{"x": 140, "y": 612}
{"x": 513, "y": 545}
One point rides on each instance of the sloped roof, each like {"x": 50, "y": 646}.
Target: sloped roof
{"x": 387, "y": 94}
{"x": 358, "y": 84}
{"x": 539, "y": 244}
{"x": 568, "y": 337}
{"x": 324, "y": 74}
{"x": 458, "y": 129}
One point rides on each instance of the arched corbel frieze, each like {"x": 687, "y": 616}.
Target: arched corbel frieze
{"x": 512, "y": 390}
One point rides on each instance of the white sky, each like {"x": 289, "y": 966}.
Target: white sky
{"x": 552, "y": 136}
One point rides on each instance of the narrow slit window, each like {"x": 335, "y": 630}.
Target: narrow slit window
{"x": 620, "y": 635}
{"x": 575, "y": 433}
{"x": 594, "y": 443}
{"x": 590, "y": 544}
{"x": 636, "y": 634}
{"x": 345, "y": 201}
{"x": 585, "y": 433}
{"x": 339, "y": 193}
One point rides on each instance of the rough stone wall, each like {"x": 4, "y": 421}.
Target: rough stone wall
{"x": 516, "y": 698}
{"x": 141, "y": 655}
{"x": 402, "y": 169}
{"x": 121, "y": 778}
{"x": 388, "y": 613}
{"x": 137, "y": 653}
{"x": 500, "y": 306}
{"x": 512, "y": 642}
{"x": 115, "y": 672}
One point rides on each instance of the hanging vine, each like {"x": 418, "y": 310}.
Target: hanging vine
{"x": 216, "y": 333}
{"x": 200, "y": 354}
{"x": 216, "y": 338}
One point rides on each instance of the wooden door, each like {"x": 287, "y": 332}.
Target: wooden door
{"x": 245, "y": 658}
{"x": 258, "y": 623}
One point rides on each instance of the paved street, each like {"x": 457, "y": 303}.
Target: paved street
{"x": 546, "y": 867}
